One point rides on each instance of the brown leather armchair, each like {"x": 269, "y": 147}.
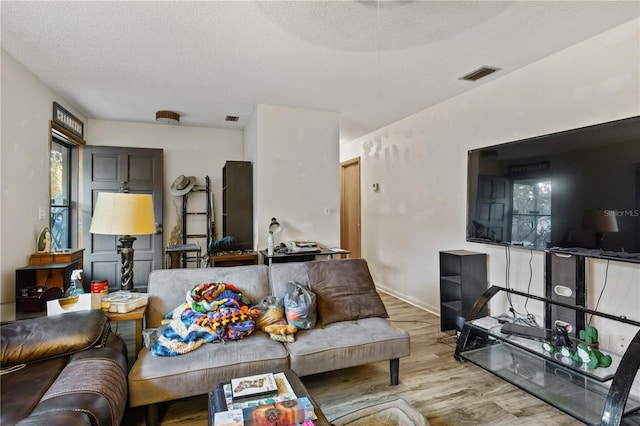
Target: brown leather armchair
{"x": 67, "y": 369}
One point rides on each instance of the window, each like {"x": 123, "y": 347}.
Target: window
{"x": 60, "y": 192}
{"x": 63, "y": 188}
{"x": 531, "y": 224}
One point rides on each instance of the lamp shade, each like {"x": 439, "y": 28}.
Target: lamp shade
{"x": 123, "y": 214}
{"x": 274, "y": 226}
{"x": 601, "y": 221}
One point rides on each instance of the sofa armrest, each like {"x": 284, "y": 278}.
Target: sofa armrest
{"x": 61, "y": 418}
{"x": 37, "y": 339}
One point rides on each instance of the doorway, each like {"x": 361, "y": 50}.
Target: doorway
{"x": 114, "y": 169}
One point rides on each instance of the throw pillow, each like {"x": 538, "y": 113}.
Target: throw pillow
{"x": 345, "y": 290}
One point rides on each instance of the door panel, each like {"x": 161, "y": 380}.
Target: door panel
{"x": 108, "y": 169}
{"x": 141, "y": 170}
{"x": 350, "y": 235}
{"x": 104, "y": 168}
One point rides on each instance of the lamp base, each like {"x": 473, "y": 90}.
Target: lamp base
{"x": 600, "y": 240}
{"x": 126, "y": 256}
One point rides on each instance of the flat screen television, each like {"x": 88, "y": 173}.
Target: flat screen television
{"x": 578, "y": 188}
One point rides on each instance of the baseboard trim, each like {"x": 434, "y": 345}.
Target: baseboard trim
{"x": 418, "y": 304}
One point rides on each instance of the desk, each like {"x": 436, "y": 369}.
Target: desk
{"x": 136, "y": 315}
{"x": 246, "y": 258}
{"x": 301, "y": 256}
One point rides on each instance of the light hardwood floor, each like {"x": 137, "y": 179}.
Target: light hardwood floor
{"x": 445, "y": 391}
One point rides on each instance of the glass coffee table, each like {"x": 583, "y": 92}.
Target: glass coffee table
{"x": 218, "y": 402}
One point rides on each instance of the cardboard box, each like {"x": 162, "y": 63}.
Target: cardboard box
{"x": 80, "y": 302}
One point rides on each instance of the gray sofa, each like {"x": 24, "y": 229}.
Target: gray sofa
{"x": 351, "y": 330}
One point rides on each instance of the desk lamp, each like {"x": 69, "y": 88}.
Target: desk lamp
{"x": 124, "y": 214}
{"x": 274, "y": 228}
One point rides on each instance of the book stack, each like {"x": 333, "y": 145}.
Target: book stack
{"x": 252, "y": 401}
{"x": 287, "y": 413}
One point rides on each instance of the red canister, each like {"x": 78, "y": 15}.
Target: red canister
{"x": 101, "y": 287}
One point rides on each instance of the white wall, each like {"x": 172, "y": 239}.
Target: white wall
{"x": 250, "y": 143}
{"x": 297, "y": 175}
{"x": 420, "y": 164}
{"x": 189, "y": 151}
{"x": 27, "y": 108}
{"x": 302, "y": 144}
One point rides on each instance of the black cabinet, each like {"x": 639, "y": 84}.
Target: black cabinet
{"x": 463, "y": 279}
{"x": 565, "y": 281}
{"x": 237, "y": 202}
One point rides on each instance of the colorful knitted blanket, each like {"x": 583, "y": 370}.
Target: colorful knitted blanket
{"x": 213, "y": 312}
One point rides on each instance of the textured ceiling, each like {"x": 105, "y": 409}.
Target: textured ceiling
{"x": 373, "y": 62}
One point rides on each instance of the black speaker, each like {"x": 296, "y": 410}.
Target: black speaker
{"x": 565, "y": 282}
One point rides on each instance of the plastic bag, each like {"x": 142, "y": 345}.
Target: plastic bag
{"x": 300, "y": 307}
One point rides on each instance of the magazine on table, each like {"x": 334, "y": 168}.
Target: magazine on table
{"x": 284, "y": 393}
{"x": 257, "y": 386}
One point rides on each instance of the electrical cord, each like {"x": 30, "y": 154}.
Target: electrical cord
{"x": 530, "y": 278}
{"x": 507, "y": 254}
{"x": 518, "y": 317}
{"x": 604, "y": 285}
{"x": 530, "y": 317}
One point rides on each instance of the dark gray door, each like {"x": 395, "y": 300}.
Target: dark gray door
{"x": 108, "y": 169}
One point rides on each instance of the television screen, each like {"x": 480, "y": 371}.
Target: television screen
{"x": 574, "y": 189}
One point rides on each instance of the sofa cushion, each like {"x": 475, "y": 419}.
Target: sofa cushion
{"x": 156, "y": 379}
{"x": 281, "y": 275}
{"x": 345, "y": 290}
{"x": 168, "y": 287}
{"x": 346, "y": 344}
{"x": 22, "y": 389}
{"x": 57, "y": 335}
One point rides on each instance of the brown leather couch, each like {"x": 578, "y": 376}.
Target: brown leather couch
{"x": 67, "y": 369}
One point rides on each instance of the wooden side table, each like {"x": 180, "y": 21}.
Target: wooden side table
{"x": 45, "y": 274}
{"x": 136, "y": 315}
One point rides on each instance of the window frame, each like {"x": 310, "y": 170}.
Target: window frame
{"x": 534, "y": 216}
{"x": 74, "y": 144}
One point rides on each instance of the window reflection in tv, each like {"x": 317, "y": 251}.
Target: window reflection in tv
{"x": 573, "y": 189}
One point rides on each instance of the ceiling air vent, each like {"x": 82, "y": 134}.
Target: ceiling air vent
{"x": 479, "y": 73}
{"x": 232, "y": 118}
